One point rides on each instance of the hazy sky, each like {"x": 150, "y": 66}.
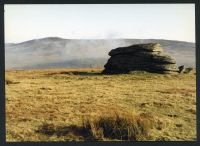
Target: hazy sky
{"x": 140, "y": 21}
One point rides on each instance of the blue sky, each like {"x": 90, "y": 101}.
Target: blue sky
{"x": 89, "y": 21}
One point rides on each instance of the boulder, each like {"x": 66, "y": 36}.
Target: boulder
{"x": 181, "y": 68}
{"x": 140, "y": 57}
{"x": 189, "y": 70}
{"x": 152, "y": 47}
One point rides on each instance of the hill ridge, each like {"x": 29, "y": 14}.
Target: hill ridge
{"x": 55, "y": 49}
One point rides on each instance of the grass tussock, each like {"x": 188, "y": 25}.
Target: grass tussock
{"x": 115, "y": 125}
{"x": 119, "y": 126}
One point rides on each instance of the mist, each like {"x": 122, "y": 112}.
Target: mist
{"x": 59, "y": 52}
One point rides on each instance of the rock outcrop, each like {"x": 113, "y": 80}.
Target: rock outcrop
{"x": 181, "y": 69}
{"x": 141, "y": 57}
{"x": 188, "y": 70}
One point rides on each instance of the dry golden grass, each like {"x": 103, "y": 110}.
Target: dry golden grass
{"x": 8, "y": 80}
{"x": 58, "y": 105}
{"x": 118, "y": 125}
{"x": 112, "y": 125}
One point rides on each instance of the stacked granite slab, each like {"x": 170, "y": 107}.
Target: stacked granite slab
{"x": 141, "y": 57}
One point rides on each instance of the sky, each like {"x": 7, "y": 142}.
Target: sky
{"x": 100, "y": 21}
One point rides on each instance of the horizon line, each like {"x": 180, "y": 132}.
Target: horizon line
{"x": 97, "y": 39}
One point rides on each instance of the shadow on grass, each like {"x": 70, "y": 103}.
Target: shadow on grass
{"x": 51, "y": 129}
{"x": 82, "y": 73}
{"x": 113, "y": 126}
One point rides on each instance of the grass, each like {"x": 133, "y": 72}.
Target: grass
{"x": 117, "y": 125}
{"x": 105, "y": 126}
{"x": 8, "y": 80}
{"x": 77, "y": 105}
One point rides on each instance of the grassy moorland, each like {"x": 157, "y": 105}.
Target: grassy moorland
{"x": 82, "y": 104}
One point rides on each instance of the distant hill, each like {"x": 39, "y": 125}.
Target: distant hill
{"x": 75, "y": 53}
